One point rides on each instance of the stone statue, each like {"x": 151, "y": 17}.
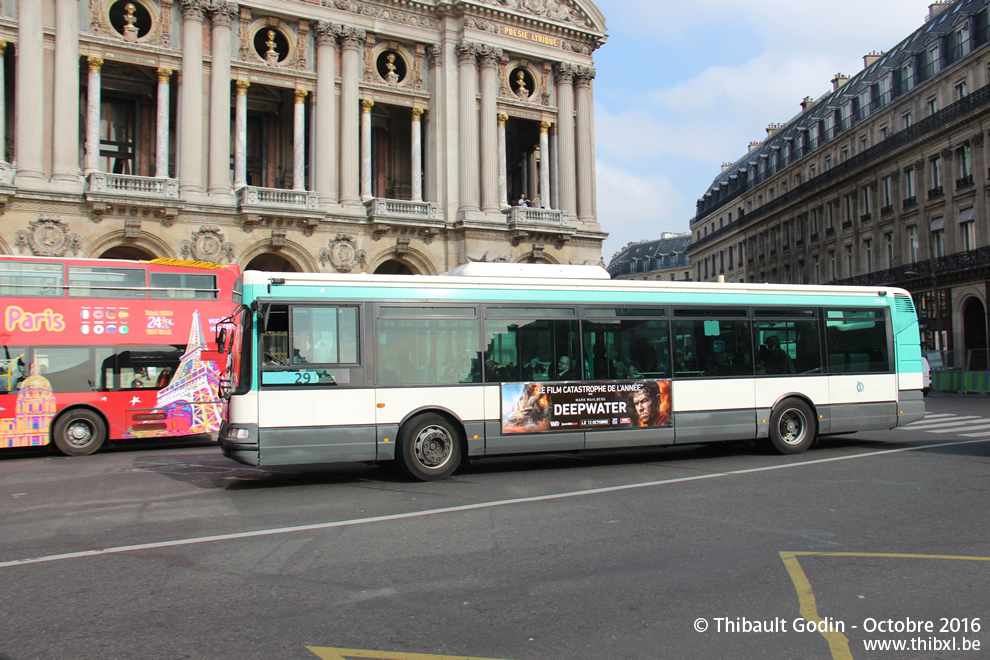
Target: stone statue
{"x": 271, "y": 57}
{"x": 130, "y": 29}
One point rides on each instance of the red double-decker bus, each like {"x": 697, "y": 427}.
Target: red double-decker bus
{"x": 97, "y": 349}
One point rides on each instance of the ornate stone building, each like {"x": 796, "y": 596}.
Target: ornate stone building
{"x": 881, "y": 181}
{"x": 330, "y": 135}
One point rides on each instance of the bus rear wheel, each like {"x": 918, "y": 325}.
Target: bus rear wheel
{"x": 429, "y": 448}
{"x": 792, "y": 427}
{"x": 79, "y": 432}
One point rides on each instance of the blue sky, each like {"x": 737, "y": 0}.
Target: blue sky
{"x": 682, "y": 87}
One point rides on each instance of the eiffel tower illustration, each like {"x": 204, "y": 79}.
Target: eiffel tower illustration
{"x": 194, "y": 385}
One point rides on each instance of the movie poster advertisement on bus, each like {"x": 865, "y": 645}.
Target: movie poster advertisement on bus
{"x": 536, "y": 407}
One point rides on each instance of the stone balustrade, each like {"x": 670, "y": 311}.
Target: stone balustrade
{"x": 281, "y": 198}
{"x": 128, "y": 185}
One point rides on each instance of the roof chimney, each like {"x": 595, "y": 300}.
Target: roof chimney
{"x": 839, "y": 80}
{"x": 726, "y": 166}
{"x": 936, "y": 8}
{"x": 871, "y": 57}
{"x": 773, "y": 128}
{"x": 753, "y": 145}
{"x": 807, "y": 102}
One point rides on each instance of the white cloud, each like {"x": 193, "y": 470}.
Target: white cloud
{"x": 632, "y": 207}
{"x": 790, "y": 26}
{"x": 663, "y": 126}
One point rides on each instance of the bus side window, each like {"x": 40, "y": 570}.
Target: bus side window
{"x": 13, "y": 368}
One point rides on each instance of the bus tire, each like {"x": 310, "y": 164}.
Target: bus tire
{"x": 429, "y": 448}
{"x": 79, "y": 432}
{"x": 792, "y": 427}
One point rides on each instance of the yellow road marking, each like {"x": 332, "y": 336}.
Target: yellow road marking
{"x": 328, "y": 653}
{"x": 837, "y": 642}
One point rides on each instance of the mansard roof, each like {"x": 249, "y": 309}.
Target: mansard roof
{"x": 667, "y": 245}
{"x": 951, "y": 18}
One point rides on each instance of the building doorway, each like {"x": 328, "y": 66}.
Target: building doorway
{"x": 975, "y": 334}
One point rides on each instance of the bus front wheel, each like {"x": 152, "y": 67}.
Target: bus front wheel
{"x": 79, "y": 432}
{"x": 429, "y": 448}
{"x": 792, "y": 427}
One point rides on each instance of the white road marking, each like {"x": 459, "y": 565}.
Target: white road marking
{"x": 968, "y": 428}
{"x": 463, "y": 507}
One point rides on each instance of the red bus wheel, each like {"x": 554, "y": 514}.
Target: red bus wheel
{"x": 79, "y": 432}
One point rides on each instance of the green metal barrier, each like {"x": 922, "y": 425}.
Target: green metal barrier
{"x": 961, "y": 381}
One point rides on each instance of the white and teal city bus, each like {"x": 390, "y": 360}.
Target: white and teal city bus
{"x": 494, "y": 359}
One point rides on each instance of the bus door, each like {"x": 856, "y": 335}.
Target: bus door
{"x": 713, "y": 394}
{"x": 312, "y": 403}
{"x": 628, "y": 349}
{"x": 428, "y": 357}
{"x": 532, "y": 354}
{"x": 862, "y": 382}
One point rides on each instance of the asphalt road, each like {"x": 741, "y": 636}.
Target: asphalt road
{"x": 877, "y": 537}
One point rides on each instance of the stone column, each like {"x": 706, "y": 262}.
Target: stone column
{"x": 240, "y": 134}
{"x": 65, "y": 102}
{"x": 223, "y": 16}
{"x": 554, "y": 202}
{"x": 93, "y": 114}
{"x": 503, "y": 190}
{"x": 533, "y": 175}
{"x": 567, "y": 197}
{"x": 417, "y": 155}
{"x": 366, "y": 106}
{"x": 436, "y": 167}
{"x": 467, "y": 57}
{"x": 325, "y": 165}
{"x": 352, "y": 43}
{"x": 585, "y": 150}
{"x": 28, "y": 101}
{"x": 545, "y": 164}
{"x": 161, "y": 124}
{"x": 3, "y": 107}
{"x": 299, "y": 142}
{"x": 191, "y": 109}
{"x": 489, "y": 128}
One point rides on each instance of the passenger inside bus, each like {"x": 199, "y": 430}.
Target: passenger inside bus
{"x": 163, "y": 378}
{"x": 141, "y": 378}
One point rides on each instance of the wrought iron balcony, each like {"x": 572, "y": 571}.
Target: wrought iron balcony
{"x": 935, "y": 192}
{"x": 910, "y": 202}
{"x": 927, "y": 273}
{"x": 962, "y": 182}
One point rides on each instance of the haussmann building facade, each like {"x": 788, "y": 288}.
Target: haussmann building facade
{"x": 327, "y": 136}
{"x": 883, "y": 181}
